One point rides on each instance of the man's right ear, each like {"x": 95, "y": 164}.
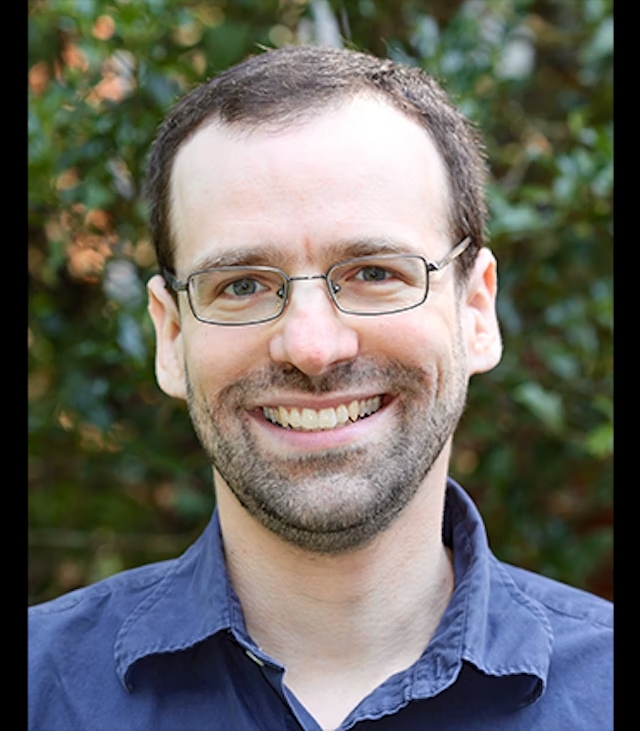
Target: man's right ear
{"x": 170, "y": 370}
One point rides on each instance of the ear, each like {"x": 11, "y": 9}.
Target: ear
{"x": 170, "y": 370}
{"x": 479, "y": 318}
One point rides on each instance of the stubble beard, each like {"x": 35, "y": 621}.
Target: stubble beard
{"x": 339, "y": 500}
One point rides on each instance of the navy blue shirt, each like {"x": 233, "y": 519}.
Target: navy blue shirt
{"x": 164, "y": 648}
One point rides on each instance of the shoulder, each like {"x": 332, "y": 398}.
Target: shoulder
{"x": 89, "y": 617}
{"x": 71, "y": 642}
{"x": 563, "y": 602}
{"x": 579, "y": 683}
{"x": 122, "y": 589}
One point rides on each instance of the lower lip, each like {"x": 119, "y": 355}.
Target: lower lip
{"x": 300, "y": 440}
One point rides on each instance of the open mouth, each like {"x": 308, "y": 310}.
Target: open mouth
{"x": 305, "y": 419}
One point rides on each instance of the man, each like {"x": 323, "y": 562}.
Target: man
{"x": 325, "y": 296}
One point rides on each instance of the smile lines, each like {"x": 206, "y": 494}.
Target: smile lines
{"x": 311, "y": 420}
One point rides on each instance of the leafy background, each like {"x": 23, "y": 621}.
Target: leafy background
{"x": 116, "y": 477}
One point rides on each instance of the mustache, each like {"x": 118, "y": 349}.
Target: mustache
{"x": 388, "y": 375}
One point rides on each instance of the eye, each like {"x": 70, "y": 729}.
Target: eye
{"x": 373, "y": 274}
{"x": 243, "y": 287}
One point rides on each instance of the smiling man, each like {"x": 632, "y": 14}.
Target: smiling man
{"x": 325, "y": 297}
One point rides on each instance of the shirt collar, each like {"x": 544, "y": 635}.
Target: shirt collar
{"x": 194, "y": 600}
{"x": 489, "y": 622}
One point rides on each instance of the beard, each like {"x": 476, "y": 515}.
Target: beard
{"x": 338, "y": 500}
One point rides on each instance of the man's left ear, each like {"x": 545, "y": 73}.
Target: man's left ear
{"x": 479, "y": 318}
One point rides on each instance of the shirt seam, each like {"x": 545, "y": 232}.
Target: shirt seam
{"x": 96, "y": 591}
{"x": 533, "y": 596}
{"x": 141, "y": 608}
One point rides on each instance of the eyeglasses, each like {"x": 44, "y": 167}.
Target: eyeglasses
{"x": 367, "y": 285}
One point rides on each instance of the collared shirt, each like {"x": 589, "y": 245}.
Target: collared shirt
{"x": 165, "y": 648}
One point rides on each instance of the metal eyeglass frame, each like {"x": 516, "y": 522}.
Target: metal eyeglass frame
{"x": 431, "y": 266}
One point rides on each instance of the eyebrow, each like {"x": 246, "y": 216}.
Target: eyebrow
{"x": 272, "y": 255}
{"x": 367, "y": 246}
{"x": 241, "y": 256}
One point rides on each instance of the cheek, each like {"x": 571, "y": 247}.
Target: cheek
{"x": 412, "y": 338}
{"x": 216, "y": 357}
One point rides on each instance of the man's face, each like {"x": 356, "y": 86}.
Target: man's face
{"x": 373, "y": 401}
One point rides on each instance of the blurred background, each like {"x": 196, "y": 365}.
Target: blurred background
{"x": 116, "y": 477}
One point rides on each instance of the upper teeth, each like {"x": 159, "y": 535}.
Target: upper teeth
{"x": 311, "y": 420}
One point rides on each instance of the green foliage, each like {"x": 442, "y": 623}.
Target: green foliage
{"x": 116, "y": 477}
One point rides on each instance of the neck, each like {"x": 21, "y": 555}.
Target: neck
{"x": 361, "y": 616}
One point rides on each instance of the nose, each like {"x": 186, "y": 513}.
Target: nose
{"x": 312, "y": 334}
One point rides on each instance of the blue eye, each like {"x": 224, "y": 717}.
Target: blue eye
{"x": 243, "y": 287}
{"x": 373, "y": 274}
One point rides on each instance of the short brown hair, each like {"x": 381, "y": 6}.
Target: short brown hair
{"x": 279, "y": 87}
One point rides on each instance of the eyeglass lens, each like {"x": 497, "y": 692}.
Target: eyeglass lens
{"x": 368, "y": 285}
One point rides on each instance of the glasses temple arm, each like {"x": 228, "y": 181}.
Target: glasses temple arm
{"x": 174, "y": 283}
{"x": 453, "y": 254}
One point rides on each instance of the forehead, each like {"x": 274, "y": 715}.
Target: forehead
{"x": 360, "y": 171}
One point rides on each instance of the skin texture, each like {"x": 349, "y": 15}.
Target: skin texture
{"x": 338, "y": 498}
{"x": 327, "y": 532}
